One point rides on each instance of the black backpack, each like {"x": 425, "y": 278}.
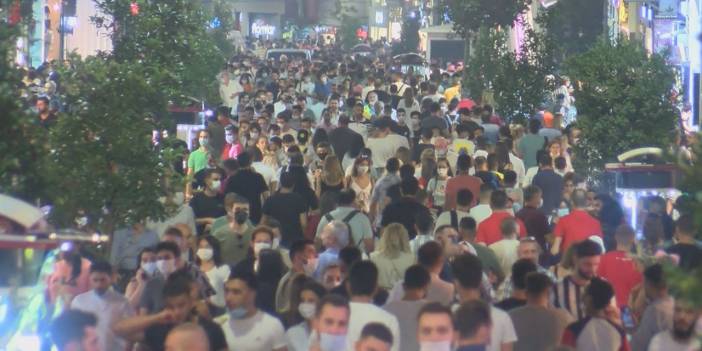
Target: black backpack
{"x": 346, "y": 221}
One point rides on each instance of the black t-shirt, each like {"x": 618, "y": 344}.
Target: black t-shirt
{"x": 207, "y": 207}
{"x": 690, "y": 255}
{"x": 509, "y": 304}
{"x": 155, "y": 335}
{"x": 286, "y": 208}
{"x": 403, "y": 211}
{"x": 417, "y": 151}
{"x": 249, "y": 185}
{"x": 551, "y": 184}
{"x": 342, "y": 138}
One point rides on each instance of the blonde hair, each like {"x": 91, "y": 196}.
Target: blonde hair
{"x": 394, "y": 240}
{"x": 332, "y": 172}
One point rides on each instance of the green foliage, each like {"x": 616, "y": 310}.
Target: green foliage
{"x": 521, "y": 85}
{"x": 575, "y": 25}
{"x": 21, "y": 139}
{"x": 623, "y": 101}
{"x": 170, "y": 35}
{"x": 101, "y": 160}
{"x": 471, "y": 15}
{"x": 409, "y": 40}
{"x": 346, "y": 34}
{"x": 483, "y": 67}
{"x": 222, "y": 11}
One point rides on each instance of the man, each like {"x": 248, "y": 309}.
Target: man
{"x": 288, "y": 208}
{"x": 550, "y": 183}
{"x": 198, "y": 159}
{"x": 490, "y": 130}
{"x": 434, "y": 122}
{"x": 570, "y": 291}
{"x": 106, "y": 304}
{"x": 392, "y": 166}
{"x": 362, "y": 286}
{"x": 232, "y": 147}
{"x": 249, "y": 184}
{"x": 359, "y": 225}
{"x": 435, "y": 329}
{"x": 246, "y": 328}
{"x": 576, "y": 226}
{"x": 683, "y": 336}
{"x": 342, "y": 137}
{"x": 75, "y": 330}
{"x": 234, "y": 236}
{"x": 331, "y": 323}
{"x": 384, "y": 144}
{"x": 473, "y": 326}
{"x": 374, "y": 337}
{"x": 359, "y": 124}
{"x": 464, "y": 198}
{"x": 528, "y": 249}
{"x": 686, "y": 247}
{"x": 405, "y": 209}
{"x": 462, "y": 180}
{"x": 334, "y": 237}
{"x": 208, "y": 204}
{"x": 406, "y": 310}
{"x": 595, "y": 331}
{"x": 531, "y": 143}
{"x": 47, "y": 118}
{"x": 489, "y": 230}
{"x": 658, "y": 315}
{"x": 347, "y": 257}
{"x": 216, "y": 130}
{"x": 303, "y": 259}
{"x": 619, "y": 267}
{"x": 127, "y": 244}
{"x": 535, "y": 221}
{"x": 506, "y": 249}
{"x": 187, "y": 337}
{"x": 491, "y": 265}
{"x": 152, "y": 330}
{"x": 538, "y": 325}
{"x": 468, "y": 276}
{"x": 520, "y": 270}
{"x": 423, "y": 144}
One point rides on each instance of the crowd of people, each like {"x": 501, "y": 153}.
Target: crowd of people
{"x": 343, "y": 204}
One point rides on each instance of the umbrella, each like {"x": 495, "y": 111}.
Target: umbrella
{"x": 466, "y": 103}
{"x": 409, "y": 59}
{"x": 359, "y": 48}
{"x": 19, "y": 211}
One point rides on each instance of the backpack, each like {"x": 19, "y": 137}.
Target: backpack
{"x": 346, "y": 221}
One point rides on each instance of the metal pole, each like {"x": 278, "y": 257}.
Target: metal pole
{"x": 61, "y": 33}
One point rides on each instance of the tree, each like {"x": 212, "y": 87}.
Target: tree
{"x": 101, "y": 161}
{"x": 575, "y": 25}
{"x": 409, "y": 40}
{"x": 487, "y": 18}
{"x": 345, "y": 13}
{"x": 623, "y": 100}
{"x": 166, "y": 34}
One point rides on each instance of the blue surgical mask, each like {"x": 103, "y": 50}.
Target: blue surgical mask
{"x": 237, "y": 313}
{"x": 332, "y": 342}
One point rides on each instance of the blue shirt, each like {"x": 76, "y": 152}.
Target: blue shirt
{"x": 328, "y": 257}
{"x": 126, "y": 246}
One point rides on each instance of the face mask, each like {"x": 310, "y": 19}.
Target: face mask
{"x": 261, "y": 246}
{"x": 216, "y": 185}
{"x": 276, "y": 243}
{"x": 311, "y": 266}
{"x": 229, "y": 138}
{"x": 363, "y": 169}
{"x": 331, "y": 342}
{"x": 306, "y": 309}
{"x": 205, "y": 254}
{"x": 100, "y": 292}
{"x": 443, "y": 172}
{"x": 435, "y": 346}
{"x": 203, "y": 141}
{"x": 241, "y": 216}
{"x": 281, "y": 125}
{"x": 237, "y": 313}
{"x": 166, "y": 267}
{"x": 149, "y": 268}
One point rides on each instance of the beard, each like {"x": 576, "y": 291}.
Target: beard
{"x": 683, "y": 334}
{"x": 585, "y": 275}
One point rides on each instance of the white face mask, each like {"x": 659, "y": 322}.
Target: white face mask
{"x": 332, "y": 342}
{"x": 205, "y": 254}
{"x": 216, "y": 185}
{"x": 443, "y": 172}
{"x": 149, "y": 268}
{"x": 435, "y": 345}
{"x": 363, "y": 169}
{"x": 261, "y": 246}
{"x": 311, "y": 266}
{"x": 306, "y": 309}
{"x": 166, "y": 267}
{"x": 229, "y": 138}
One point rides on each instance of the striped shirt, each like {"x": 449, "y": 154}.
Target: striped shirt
{"x": 569, "y": 296}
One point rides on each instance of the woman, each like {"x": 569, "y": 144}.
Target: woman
{"x": 262, "y": 144}
{"x": 146, "y": 260}
{"x": 393, "y": 256}
{"x": 270, "y": 269}
{"x": 361, "y": 182}
{"x": 436, "y": 188}
{"x": 299, "y": 335}
{"x": 261, "y": 239}
{"x": 427, "y": 167}
{"x": 209, "y": 259}
{"x": 330, "y": 177}
{"x": 555, "y": 150}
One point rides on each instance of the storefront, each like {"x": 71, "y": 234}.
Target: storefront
{"x": 260, "y": 19}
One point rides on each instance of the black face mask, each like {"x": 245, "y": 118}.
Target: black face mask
{"x": 241, "y": 216}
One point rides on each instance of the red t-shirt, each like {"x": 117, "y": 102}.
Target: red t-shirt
{"x": 620, "y": 270}
{"x": 577, "y": 226}
{"x": 489, "y": 230}
{"x": 457, "y": 183}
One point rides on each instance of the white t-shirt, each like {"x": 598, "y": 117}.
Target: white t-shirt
{"x": 217, "y": 277}
{"x": 529, "y": 176}
{"x": 664, "y": 341}
{"x": 518, "y": 167}
{"x": 502, "y": 329}
{"x": 298, "y": 337}
{"x": 445, "y": 218}
{"x": 364, "y": 313}
{"x": 385, "y": 148}
{"x": 109, "y": 309}
{"x": 480, "y": 213}
{"x": 259, "y": 332}
{"x": 265, "y": 170}
{"x": 506, "y": 252}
